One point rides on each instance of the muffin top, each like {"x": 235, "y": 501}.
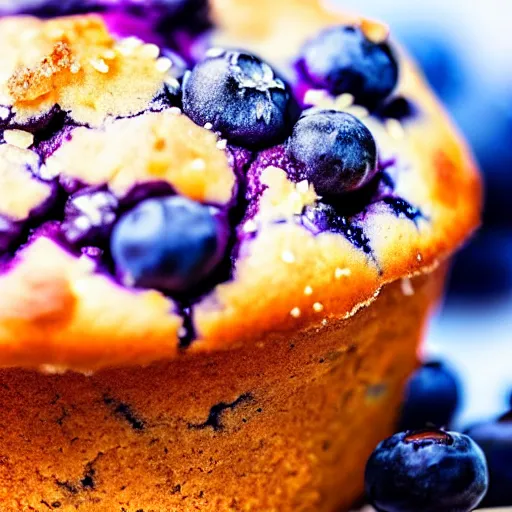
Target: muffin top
{"x": 185, "y": 176}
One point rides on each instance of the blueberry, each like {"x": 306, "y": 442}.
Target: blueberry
{"x": 342, "y": 60}
{"x": 426, "y": 471}
{"x": 242, "y": 97}
{"x": 168, "y": 243}
{"x": 431, "y": 397}
{"x": 89, "y": 215}
{"x": 495, "y": 439}
{"x": 336, "y": 151}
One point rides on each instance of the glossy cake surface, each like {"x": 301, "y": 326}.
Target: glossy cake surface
{"x": 283, "y": 184}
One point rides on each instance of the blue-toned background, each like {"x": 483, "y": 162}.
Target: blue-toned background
{"x": 465, "y": 49}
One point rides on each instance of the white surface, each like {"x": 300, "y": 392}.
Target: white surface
{"x": 477, "y": 341}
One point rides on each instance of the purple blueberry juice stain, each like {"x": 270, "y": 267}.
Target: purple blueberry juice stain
{"x": 272, "y": 157}
{"x": 402, "y": 208}
{"x": 324, "y": 218}
{"x": 93, "y": 253}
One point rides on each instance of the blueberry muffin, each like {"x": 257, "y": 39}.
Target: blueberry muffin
{"x": 223, "y": 226}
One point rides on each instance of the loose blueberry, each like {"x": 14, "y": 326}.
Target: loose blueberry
{"x": 426, "y": 471}
{"x": 495, "y": 439}
{"x": 170, "y": 244}
{"x": 89, "y": 216}
{"x": 242, "y": 97}
{"x": 342, "y": 60}
{"x": 431, "y": 397}
{"x": 336, "y": 151}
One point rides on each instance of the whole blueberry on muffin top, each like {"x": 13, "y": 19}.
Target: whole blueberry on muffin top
{"x": 343, "y": 60}
{"x": 241, "y": 96}
{"x": 169, "y": 244}
{"x": 337, "y": 151}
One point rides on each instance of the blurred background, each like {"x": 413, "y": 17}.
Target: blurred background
{"x": 465, "y": 51}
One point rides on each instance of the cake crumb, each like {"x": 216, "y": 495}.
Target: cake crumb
{"x": 212, "y": 53}
{"x": 288, "y": 257}
{"x": 150, "y": 51}
{"x": 99, "y": 65}
{"x": 4, "y": 113}
{"x": 395, "y": 129}
{"x": 325, "y": 322}
{"x": 308, "y": 290}
{"x": 222, "y": 144}
{"x": 28, "y": 84}
{"x": 51, "y": 369}
{"x": 358, "y": 111}
{"x": 318, "y": 307}
{"x": 250, "y": 227}
{"x": 295, "y": 312}
{"x": 342, "y": 272}
{"x": 303, "y": 187}
{"x": 315, "y": 97}
{"x": 19, "y": 138}
{"x": 198, "y": 164}
{"x": 344, "y": 101}
{"x": 163, "y": 64}
{"x": 109, "y": 54}
{"x": 407, "y": 288}
{"x": 75, "y": 67}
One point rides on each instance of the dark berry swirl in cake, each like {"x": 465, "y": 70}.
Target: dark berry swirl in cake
{"x": 214, "y": 187}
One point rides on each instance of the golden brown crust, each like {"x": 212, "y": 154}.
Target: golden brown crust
{"x": 285, "y": 277}
{"x": 297, "y": 416}
{"x": 130, "y": 152}
{"x": 438, "y": 175}
{"x": 75, "y": 63}
{"x": 56, "y": 310}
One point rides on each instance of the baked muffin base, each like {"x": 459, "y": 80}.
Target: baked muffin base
{"x": 281, "y": 424}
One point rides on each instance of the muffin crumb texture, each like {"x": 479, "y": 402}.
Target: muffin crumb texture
{"x": 282, "y": 425}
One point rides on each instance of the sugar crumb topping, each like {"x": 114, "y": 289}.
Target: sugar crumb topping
{"x": 375, "y": 31}
{"x": 29, "y": 83}
{"x": 19, "y": 138}
{"x": 295, "y": 312}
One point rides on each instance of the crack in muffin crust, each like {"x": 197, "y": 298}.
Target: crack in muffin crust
{"x": 301, "y": 186}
